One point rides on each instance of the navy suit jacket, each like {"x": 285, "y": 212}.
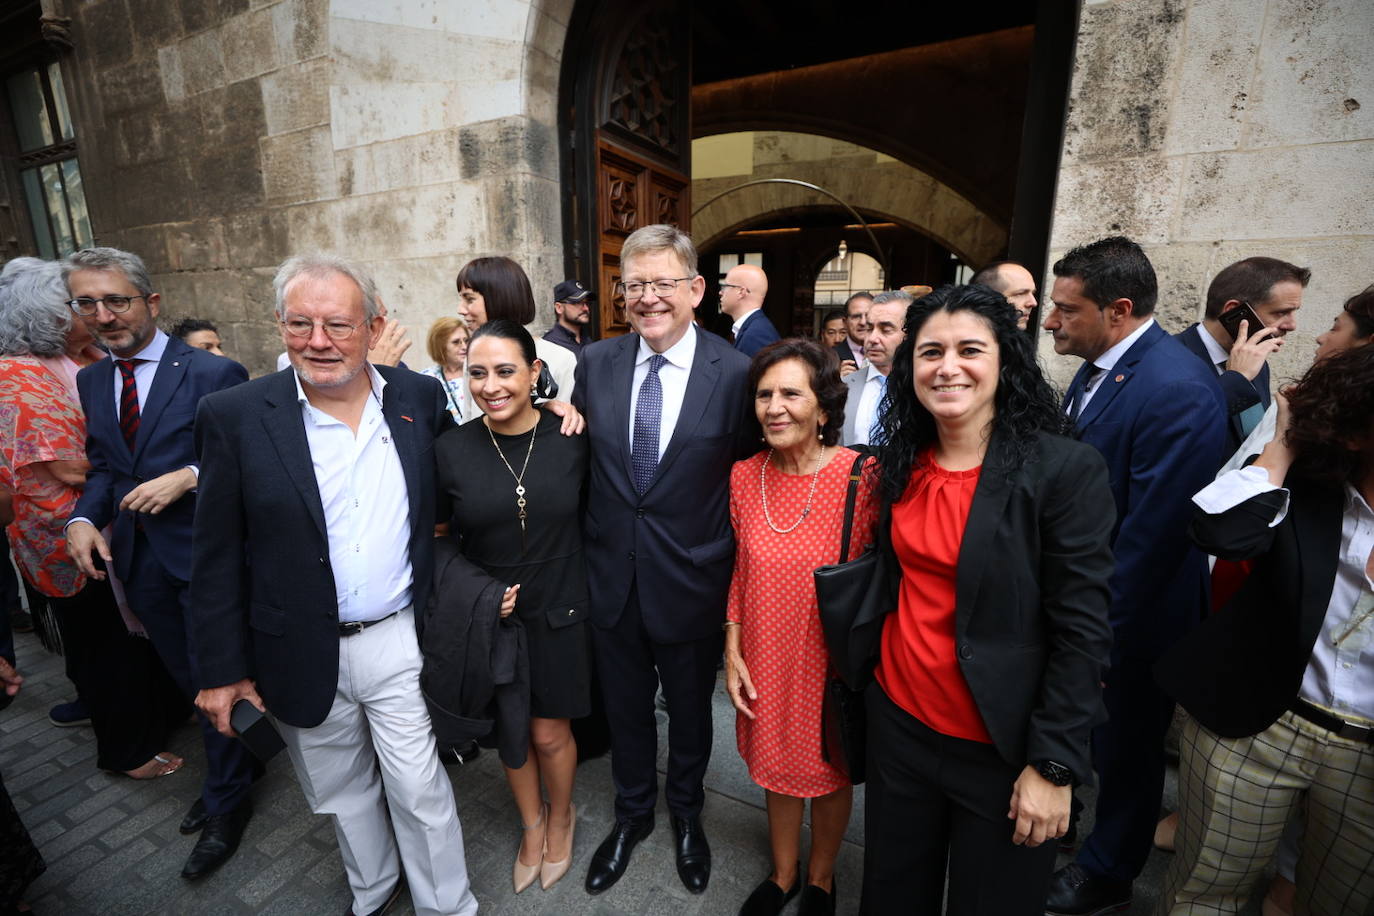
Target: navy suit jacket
{"x": 756, "y": 333}
{"x": 263, "y": 597}
{"x": 673, "y": 543}
{"x": 1241, "y": 393}
{"x": 184, "y": 375}
{"x": 1159, "y": 420}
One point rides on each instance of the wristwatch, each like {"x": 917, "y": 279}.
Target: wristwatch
{"x": 1055, "y": 773}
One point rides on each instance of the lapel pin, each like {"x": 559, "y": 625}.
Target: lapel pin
{"x": 176, "y": 364}
{"x": 1121, "y": 378}
{"x": 407, "y": 419}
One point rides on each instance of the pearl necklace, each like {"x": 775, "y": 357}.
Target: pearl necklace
{"x": 763, "y": 492}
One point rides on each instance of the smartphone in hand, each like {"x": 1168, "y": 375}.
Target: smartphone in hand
{"x": 1230, "y": 320}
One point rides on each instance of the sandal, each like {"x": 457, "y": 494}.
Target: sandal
{"x": 164, "y": 764}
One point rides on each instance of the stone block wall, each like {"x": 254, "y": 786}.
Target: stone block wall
{"x": 221, "y": 136}
{"x": 1213, "y": 130}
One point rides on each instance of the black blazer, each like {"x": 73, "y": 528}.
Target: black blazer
{"x": 673, "y": 543}
{"x": 1240, "y": 668}
{"x": 1032, "y": 588}
{"x": 263, "y": 600}
{"x": 1241, "y": 393}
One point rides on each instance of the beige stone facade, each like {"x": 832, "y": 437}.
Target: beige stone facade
{"x": 411, "y": 136}
{"x": 1213, "y": 130}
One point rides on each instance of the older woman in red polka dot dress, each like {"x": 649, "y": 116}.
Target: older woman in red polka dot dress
{"x": 787, "y": 509}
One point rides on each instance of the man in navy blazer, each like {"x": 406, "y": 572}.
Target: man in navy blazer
{"x": 314, "y": 557}
{"x": 741, "y": 297}
{"x": 668, "y": 413}
{"x": 1157, "y": 416}
{"x": 1271, "y": 287}
{"x": 140, "y": 407}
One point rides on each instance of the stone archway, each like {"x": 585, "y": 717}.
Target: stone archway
{"x": 864, "y": 178}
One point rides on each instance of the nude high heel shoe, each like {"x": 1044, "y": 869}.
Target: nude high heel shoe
{"x": 550, "y": 872}
{"x": 522, "y": 875}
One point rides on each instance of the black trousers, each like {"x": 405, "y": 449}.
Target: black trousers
{"x": 631, "y": 666}
{"x": 134, "y": 703}
{"x": 933, "y": 803}
{"x": 162, "y": 602}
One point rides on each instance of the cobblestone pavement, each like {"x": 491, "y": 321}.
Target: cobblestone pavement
{"x": 112, "y": 844}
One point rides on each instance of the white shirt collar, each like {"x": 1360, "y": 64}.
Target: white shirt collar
{"x": 1215, "y": 351}
{"x": 154, "y": 349}
{"x": 679, "y": 354}
{"x": 1109, "y": 359}
{"x": 373, "y": 376}
{"x": 734, "y": 329}
{"x": 873, "y": 373}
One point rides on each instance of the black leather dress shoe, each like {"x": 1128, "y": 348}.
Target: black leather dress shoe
{"x": 218, "y": 839}
{"x": 1074, "y": 892}
{"x": 693, "y": 853}
{"x": 194, "y": 819}
{"x": 768, "y": 899}
{"x": 386, "y": 906}
{"x": 613, "y": 855}
{"x": 816, "y": 902}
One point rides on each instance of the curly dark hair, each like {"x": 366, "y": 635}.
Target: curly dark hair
{"x": 1025, "y": 403}
{"x": 1360, "y": 308}
{"x": 1332, "y": 417}
{"x": 822, "y": 365}
{"x": 504, "y": 286}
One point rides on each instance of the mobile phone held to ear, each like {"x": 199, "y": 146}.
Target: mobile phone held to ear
{"x": 255, "y": 730}
{"x": 1230, "y": 320}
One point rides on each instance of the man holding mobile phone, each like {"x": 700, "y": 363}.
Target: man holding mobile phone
{"x": 1251, "y": 305}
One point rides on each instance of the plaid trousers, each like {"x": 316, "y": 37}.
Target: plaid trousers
{"x": 1236, "y": 795}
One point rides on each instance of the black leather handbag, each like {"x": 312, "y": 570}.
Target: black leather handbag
{"x": 855, "y": 597}
{"x": 842, "y": 590}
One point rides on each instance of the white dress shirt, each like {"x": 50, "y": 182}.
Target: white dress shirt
{"x": 1107, "y": 361}
{"x": 867, "y": 411}
{"x": 673, "y": 376}
{"x": 1215, "y": 351}
{"x": 1340, "y": 674}
{"x": 366, "y": 506}
{"x": 144, "y": 372}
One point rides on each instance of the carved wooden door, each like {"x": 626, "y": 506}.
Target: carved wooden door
{"x": 631, "y": 192}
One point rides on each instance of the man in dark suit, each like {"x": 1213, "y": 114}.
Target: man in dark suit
{"x": 139, "y": 410}
{"x": 741, "y": 297}
{"x": 667, "y": 413}
{"x": 313, "y": 563}
{"x": 1156, "y": 414}
{"x": 1271, "y": 287}
{"x": 851, "y": 349}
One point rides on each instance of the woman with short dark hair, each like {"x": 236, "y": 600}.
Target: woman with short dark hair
{"x": 787, "y": 509}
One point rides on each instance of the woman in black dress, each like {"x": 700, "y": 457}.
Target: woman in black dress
{"x": 515, "y": 487}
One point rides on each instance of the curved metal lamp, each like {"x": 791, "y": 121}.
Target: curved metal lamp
{"x": 882, "y": 257}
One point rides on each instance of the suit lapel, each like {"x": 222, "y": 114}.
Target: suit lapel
{"x": 105, "y": 415}
{"x": 171, "y": 370}
{"x": 403, "y": 434}
{"x": 1119, "y": 376}
{"x": 286, "y": 429}
{"x": 977, "y": 549}
{"x": 1317, "y": 515}
{"x": 622, "y": 383}
{"x": 700, "y": 383}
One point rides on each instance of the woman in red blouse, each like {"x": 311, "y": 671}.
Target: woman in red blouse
{"x": 988, "y": 679}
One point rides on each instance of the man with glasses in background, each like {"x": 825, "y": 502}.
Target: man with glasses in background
{"x": 673, "y": 400}
{"x": 741, "y": 297}
{"x": 140, "y": 407}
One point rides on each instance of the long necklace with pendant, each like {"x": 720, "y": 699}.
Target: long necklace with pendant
{"x": 519, "y": 478}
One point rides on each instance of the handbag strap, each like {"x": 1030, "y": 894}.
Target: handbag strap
{"x": 855, "y": 473}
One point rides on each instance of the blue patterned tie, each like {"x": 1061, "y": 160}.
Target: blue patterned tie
{"x": 875, "y": 429}
{"x": 648, "y": 413}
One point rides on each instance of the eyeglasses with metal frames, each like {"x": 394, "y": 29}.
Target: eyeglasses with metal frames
{"x": 635, "y": 290}
{"x": 85, "y": 306}
{"x": 335, "y": 329}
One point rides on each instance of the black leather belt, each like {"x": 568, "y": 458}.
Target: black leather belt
{"x": 354, "y": 627}
{"x": 1348, "y": 730}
